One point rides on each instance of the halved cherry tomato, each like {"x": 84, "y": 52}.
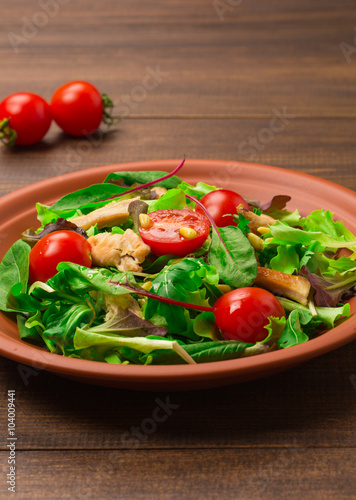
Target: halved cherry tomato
{"x": 77, "y": 108}
{"x": 243, "y": 313}
{"x": 26, "y": 114}
{"x": 164, "y": 236}
{"x": 220, "y": 203}
{"x": 56, "y": 247}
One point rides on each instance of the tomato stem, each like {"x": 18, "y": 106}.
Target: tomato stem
{"x": 108, "y": 107}
{"x": 8, "y": 135}
{"x": 173, "y": 302}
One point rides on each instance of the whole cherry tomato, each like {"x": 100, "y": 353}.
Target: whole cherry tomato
{"x": 175, "y": 231}
{"x": 243, "y": 313}
{"x": 24, "y": 119}
{"x": 56, "y": 247}
{"x": 79, "y": 108}
{"x": 219, "y": 204}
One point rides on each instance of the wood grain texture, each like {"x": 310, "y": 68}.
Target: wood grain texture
{"x": 260, "y": 56}
{"x": 186, "y": 474}
{"x": 311, "y": 405}
{"x": 224, "y": 75}
{"x": 325, "y": 148}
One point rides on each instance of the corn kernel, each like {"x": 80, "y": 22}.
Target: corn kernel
{"x": 145, "y": 221}
{"x": 263, "y": 230}
{"x": 255, "y": 241}
{"x": 188, "y": 233}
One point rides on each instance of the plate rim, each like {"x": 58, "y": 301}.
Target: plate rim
{"x": 28, "y": 354}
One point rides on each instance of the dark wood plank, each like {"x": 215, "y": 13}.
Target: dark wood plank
{"x": 259, "y": 57}
{"x": 285, "y": 473}
{"x": 311, "y": 405}
{"x": 325, "y": 148}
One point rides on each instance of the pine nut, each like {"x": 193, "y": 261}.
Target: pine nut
{"x": 255, "y": 241}
{"x": 224, "y": 288}
{"x": 145, "y": 221}
{"x": 263, "y": 230}
{"x": 188, "y": 233}
{"x": 146, "y": 285}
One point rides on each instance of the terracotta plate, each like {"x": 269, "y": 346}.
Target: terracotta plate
{"x": 252, "y": 181}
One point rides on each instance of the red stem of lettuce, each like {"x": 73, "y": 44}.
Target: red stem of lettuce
{"x": 152, "y": 183}
{"x": 212, "y": 222}
{"x": 148, "y": 184}
{"x": 151, "y": 295}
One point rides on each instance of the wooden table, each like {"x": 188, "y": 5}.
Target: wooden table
{"x": 221, "y": 70}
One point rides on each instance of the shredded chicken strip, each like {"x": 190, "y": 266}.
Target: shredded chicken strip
{"x": 123, "y": 251}
{"x": 112, "y": 214}
{"x": 256, "y": 221}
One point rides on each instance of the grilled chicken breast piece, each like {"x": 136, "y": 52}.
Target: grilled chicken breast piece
{"x": 112, "y": 214}
{"x": 293, "y": 287}
{"x": 256, "y": 221}
{"x": 123, "y": 251}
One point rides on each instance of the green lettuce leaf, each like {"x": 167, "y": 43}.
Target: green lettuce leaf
{"x": 107, "y": 342}
{"x": 327, "y": 315}
{"x": 13, "y": 270}
{"x": 197, "y": 191}
{"x": 282, "y": 234}
{"x": 293, "y": 333}
{"x": 142, "y": 177}
{"x": 237, "y": 266}
{"x": 183, "y": 281}
{"x": 202, "y": 352}
{"x": 174, "y": 198}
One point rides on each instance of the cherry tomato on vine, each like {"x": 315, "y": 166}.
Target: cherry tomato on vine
{"x": 175, "y": 231}
{"x": 24, "y": 119}
{"x": 79, "y": 108}
{"x": 243, "y": 313}
{"x": 220, "y": 203}
{"x": 56, "y": 247}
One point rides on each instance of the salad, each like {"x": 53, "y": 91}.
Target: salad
{"x": 146, "y": 268}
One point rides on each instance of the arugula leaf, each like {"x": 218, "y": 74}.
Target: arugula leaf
{"x": 142, "y": 177}
{"x": 13, "y": 270}
{"x": 234, "y": 260}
